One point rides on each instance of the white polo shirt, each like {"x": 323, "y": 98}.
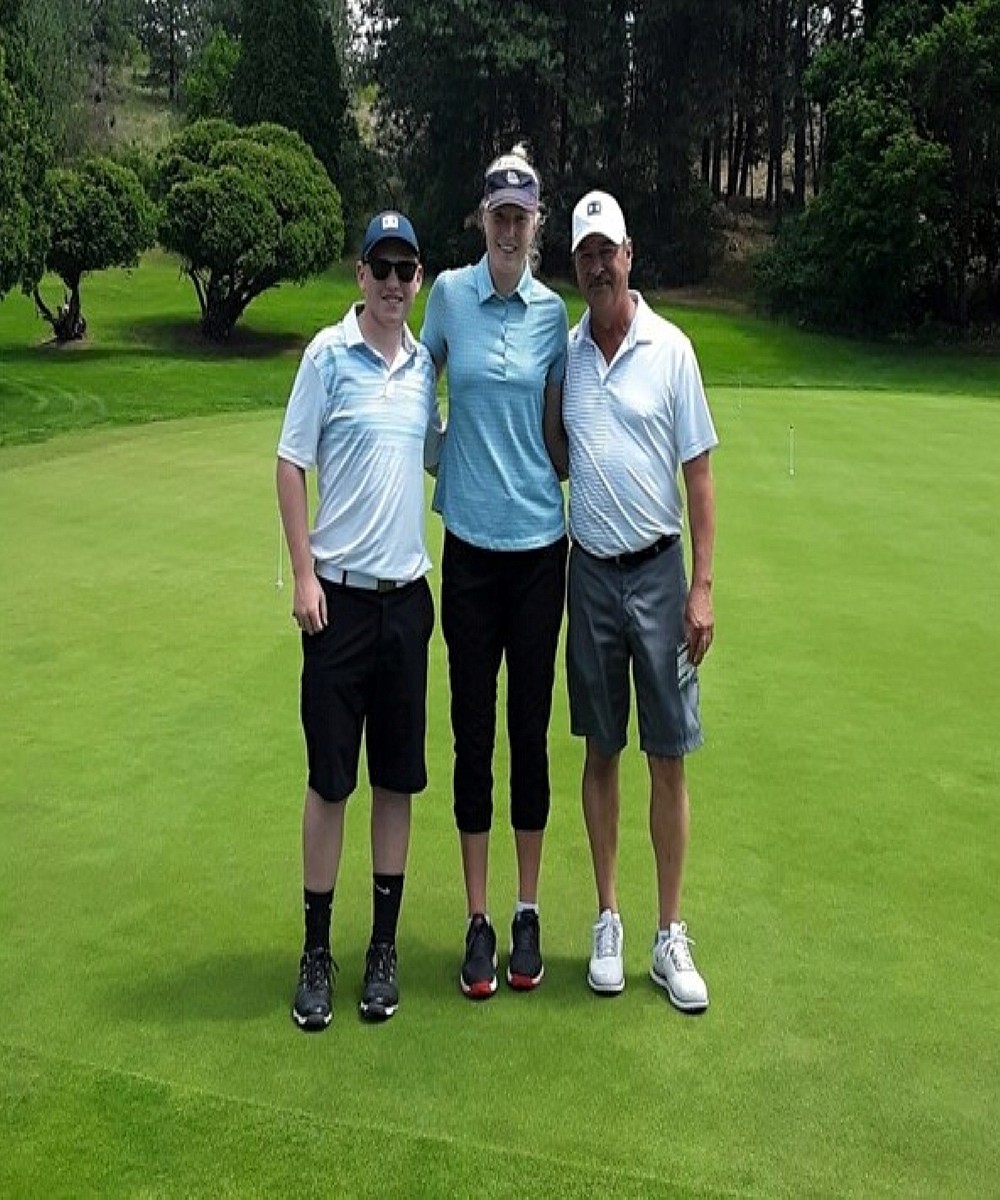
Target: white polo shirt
{"x": 368, "y": 427}
{"x": 631, "y": 424}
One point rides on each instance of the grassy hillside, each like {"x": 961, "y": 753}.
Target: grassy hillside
{"x": 145, "y": 360}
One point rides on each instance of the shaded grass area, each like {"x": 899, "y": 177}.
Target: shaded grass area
{"x": 840, "y": 887}
{"x": 145, "y": 358}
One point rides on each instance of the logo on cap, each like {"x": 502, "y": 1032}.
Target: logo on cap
{"x": 390, "y": 221}
{"x": 593, "y": 208}
{"x": 513, "y": 178}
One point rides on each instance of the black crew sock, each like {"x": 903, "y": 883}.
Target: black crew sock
{"x": 387, "y": 895}
{"x": 318, "y": 911}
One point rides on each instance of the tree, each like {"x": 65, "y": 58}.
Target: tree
{"x": 289, "y": 73}
{"x": 208, "y": 83}
{"x": 955, "y": 68}
{"x": 245, "y": 208}
{"x": 863, "y": 255}
{"x": 164, "y": 28}
{"x": 905, "y": 229}
{"x": 100, "y": 217}
{"x": 46, "y": 61}
{"x": 107, "y": 23}
{"x": 23, "y": 159}
{"x": 440, "y": 127}
{"x": 605, "y": 92}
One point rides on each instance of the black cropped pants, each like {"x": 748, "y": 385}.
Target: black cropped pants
{"x": 501, "y": 605}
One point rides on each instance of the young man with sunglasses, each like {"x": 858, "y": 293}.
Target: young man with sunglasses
{"x": 363, "y": 414}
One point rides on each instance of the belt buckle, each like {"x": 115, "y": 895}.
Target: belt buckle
{"x": 385, "y": 585}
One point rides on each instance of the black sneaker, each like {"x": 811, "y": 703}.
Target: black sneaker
{"x": 479, "y": 971}
{"x": 380, "y": 997}
{"x": 525, "y": 968}
{"x": 313, "y": 1006}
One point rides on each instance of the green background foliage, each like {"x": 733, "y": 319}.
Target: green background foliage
{"x": 23, "y": 159}
{"x": 864, "y": 134}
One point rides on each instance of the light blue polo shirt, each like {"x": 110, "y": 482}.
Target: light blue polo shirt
{"x": 496, "y": 487}
{"x": 369, "y": 428}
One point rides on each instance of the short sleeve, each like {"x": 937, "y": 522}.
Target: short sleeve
{"x": 303, "y": 424}
{"x": 695, "y": 429}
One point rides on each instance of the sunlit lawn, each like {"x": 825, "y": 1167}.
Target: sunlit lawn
{"x": 846, "y": 841}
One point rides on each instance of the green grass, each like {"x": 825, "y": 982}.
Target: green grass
{"x": 846, "y": 838}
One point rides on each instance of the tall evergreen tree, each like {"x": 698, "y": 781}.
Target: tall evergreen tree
{"x": 496, "y": 78}
{"x": 165, "y": 29}
{"x": 289, "y": 74}
{"x": 23, "y": 158}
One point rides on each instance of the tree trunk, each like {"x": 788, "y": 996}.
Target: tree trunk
{"x": 801, "y": 53}
{"x": 747, "y": 162}
{"x": 717, "y": 161}
{"x": 68, "y": 322}
{"x": 225, "y": 302}
{"x": 734, "y": 147}
{"x": 777, "y": 59}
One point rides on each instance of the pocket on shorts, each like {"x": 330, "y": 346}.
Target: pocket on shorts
{"x": 687, "y": 672}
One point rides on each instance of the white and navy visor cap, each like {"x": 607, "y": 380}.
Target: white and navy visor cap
{"x": 510, "y": 180}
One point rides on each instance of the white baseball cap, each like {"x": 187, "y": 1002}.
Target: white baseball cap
{"x": 599, "y": 213}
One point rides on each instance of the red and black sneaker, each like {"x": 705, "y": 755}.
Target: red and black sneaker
{"x": 525, "y": 968}
{"x": 479, "y": 971}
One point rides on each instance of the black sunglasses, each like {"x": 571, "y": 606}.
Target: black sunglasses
{"x": 405, "y": 269}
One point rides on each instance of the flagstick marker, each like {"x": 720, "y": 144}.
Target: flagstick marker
{"x": 791, "y": 450}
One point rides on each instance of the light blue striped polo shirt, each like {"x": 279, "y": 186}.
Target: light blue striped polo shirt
{"x": 631, "y": 423}
{"x": 496, "y": 487}
{"x": 368, "y": 427}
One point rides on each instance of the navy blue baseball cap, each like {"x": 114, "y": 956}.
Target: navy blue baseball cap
{"x": 389, "y": 226}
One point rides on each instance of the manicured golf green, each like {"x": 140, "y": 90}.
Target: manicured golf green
{"x": 841, "y": 887}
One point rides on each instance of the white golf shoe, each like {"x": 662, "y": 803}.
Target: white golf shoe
{"x": 674, "y": 970}
{"x": 606, "y": 973}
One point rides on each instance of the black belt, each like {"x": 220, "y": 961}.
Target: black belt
{"x": 634, "y": 557}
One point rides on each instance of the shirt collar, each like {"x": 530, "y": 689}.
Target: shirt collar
{"x": 484, "y": 282}
{"x": 639, "y": 331}
{"x": 354, "y": 337}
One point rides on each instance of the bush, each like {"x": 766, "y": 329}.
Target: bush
{"x": 866, "y": 253}
{"x": 100, "y": 217}
{"x": 245, "y": 209}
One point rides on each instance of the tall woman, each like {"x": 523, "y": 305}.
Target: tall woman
{"x": 500, "y": 336}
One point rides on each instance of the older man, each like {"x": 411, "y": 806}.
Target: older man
{"x": 636, "y": 417}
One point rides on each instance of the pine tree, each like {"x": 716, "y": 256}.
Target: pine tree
{"x": 289, "y": 74}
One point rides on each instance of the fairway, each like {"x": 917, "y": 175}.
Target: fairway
{"x": 841, "y": 886}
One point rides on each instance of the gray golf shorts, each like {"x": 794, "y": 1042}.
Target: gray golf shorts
{"x": 624, "y": 619}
